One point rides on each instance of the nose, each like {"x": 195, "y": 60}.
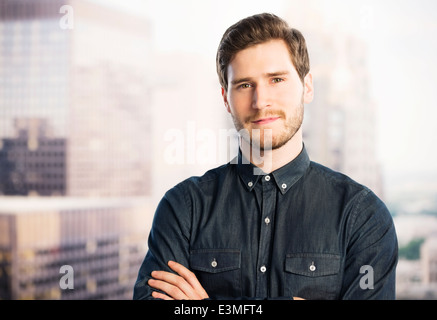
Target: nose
{"x": 261, "y": 97}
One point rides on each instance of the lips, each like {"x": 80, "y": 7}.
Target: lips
{"x": 265, "y": 120}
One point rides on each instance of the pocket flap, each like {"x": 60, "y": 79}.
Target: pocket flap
{"x": 215, "y": 260}
{"x": 312, "y": 264}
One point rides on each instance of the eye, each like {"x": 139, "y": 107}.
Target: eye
{"x": 245, "y": 86}
{"x": 277, "y": 80}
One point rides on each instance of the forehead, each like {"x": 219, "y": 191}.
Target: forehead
{"x": 267, "y": 57}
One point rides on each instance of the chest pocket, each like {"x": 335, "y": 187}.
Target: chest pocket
{"x": 218, "y": 270}
{"x": 312, "y": 275}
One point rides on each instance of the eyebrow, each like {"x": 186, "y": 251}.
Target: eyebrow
{"x": 267, "y": 75}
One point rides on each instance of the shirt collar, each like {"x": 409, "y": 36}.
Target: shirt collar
{"x": 284, "y": 177}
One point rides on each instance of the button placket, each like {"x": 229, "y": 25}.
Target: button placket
{"x": 268, "y": 194}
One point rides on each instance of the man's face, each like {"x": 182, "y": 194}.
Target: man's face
{"x": 265, "y": 92}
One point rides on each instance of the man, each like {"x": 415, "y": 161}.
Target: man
{"x": 273, "y": 224}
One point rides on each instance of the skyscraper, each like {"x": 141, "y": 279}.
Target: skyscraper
{"x": 87, "y": 80}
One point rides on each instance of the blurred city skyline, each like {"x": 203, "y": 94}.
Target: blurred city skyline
{"x": 75, "y": 171}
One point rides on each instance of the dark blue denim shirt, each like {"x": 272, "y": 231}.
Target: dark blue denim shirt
{"x": 302, "y": 230}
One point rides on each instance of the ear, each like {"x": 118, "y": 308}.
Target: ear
{"x": 225, "y": 100}
{"x": 308, "y": 88}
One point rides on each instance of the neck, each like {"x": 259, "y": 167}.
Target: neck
{"x": 270, "y": 160}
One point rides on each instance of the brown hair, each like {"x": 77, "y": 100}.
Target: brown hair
{"x": 258, "y": 29}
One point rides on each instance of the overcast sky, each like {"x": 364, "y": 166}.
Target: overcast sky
{"x": 402, "y": 53}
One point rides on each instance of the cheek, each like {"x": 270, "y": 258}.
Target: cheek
{"x": 290, "y": 97}
{"x": 240, "y": 103}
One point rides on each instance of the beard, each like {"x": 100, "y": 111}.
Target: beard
{"x": 270, "y": 139}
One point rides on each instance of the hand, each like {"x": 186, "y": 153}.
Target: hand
{"x": 181, "y": 286}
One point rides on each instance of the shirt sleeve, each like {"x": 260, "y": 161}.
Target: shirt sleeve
{"x": 372, "y": 251}
{"x": 168, "y": 240}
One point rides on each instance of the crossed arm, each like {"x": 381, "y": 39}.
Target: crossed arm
{"x": 181, "y": 286}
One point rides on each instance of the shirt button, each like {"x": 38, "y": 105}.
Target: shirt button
{"x": 267, "y": 178}
{"x": 250, "y": 184}
{"x": 214, "y": 263}
{"x": 267, "y": 220}
{"x": 263, "y": 269}
{"x": 284, "y": 186}
{"x": 312, "y": 267}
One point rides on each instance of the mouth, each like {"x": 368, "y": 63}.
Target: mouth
{"x": 265, "y": 120}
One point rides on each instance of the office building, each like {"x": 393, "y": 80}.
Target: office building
{"x": 33, "y": 162}
{"x": 102, "y": 241}
{"x": 88, "y": 82}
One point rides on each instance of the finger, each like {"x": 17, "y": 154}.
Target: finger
{"x": 159, "y": 295}
{"x": 171, "y": 290}
{"x": 174, "y": 280}
{"x": 190, "y": 277}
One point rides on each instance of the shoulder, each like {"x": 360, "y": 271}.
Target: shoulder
{"x": 325, "y": 174}
{"x": 180, "y": 201}
{"x": 366, "y": 214}
{"x": 334, "y": 183}
{"x": 204, "y": 183}
{"x": 209, "y": 177}
{"x": 357, "y": 197}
